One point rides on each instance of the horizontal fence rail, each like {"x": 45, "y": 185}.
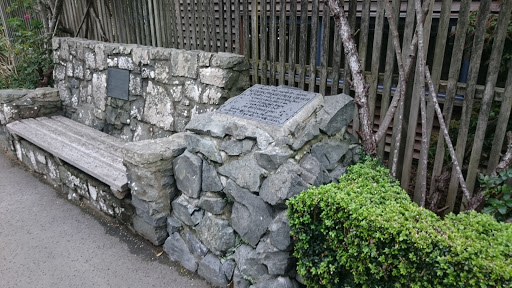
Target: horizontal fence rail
{"x": 295, "y": 43}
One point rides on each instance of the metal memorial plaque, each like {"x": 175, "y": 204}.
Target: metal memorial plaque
{"x": 118, "y": 81}
{"x": 268, "y": 104}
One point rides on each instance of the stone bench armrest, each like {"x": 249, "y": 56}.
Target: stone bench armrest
{"x": 22, "y": 104}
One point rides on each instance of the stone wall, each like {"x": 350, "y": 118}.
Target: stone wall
{"x": 167, "y": 87}
{"x": 76, "y": 185}
{"x": 22, "y": 104}
{"x": 223, "y": 214}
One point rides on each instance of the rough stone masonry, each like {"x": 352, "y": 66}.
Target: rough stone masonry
{"x": 165, "y": 87}
{"x": 222, "y": 213}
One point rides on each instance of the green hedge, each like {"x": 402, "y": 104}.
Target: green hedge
{"x": 366, "y": 232}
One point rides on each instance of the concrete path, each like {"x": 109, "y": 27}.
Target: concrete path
{"x": 46, "y": 241}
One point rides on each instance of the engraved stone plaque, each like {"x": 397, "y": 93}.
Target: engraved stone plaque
{"x": 118, "y": 81}
{"x": 268, "y": 104}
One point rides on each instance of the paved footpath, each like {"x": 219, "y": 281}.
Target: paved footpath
{"x": 46, "y": 241}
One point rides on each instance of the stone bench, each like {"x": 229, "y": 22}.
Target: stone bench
{"x": 91, "y": 151}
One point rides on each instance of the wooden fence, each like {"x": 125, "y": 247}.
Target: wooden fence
{"x": 295, "y": 43}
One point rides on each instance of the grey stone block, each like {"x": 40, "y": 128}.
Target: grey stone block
{"x": 197, "y": 143}
{"x": 272, "y": 157}
{"x": 231, "y": 147}
{"x": 177, "y": 250}
{"x": 250, "y": 215}
{"x": 184, "y": 63}
{"x": 279, "y": 235}
{"x": 156, "y": 235}
{"x": 277, "y": 262}
{"x": 245, "y": 172}
{"x": 218, "y": 77}
{"x": 216, "y": 234}
{"x": 310, "y": 131}
{"x": 313, "y": 172}
{"x": 186, "y": 212}
{"x": 210, "y": 181}
{"x": 229, "y": 267}
{"x": 280, "y": 282}
{"x": 188, "y": 171}
{"x": 329, "y": 152}
{"x": 250, "y": 265}
{"x": 210, "y": 269}
{"x": 173, "y": 225}
{"x": 338, "y": 111}
{"x": 212, "y": 203}
{"x": 226, "y": 60}
{"x": 239, "y": 281}
{"x": 283, "y": 184}
{"x": 337, "y": 173}
{"x": 195, "y": 246}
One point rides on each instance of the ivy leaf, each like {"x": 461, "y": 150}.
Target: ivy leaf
{"x": 494, "y": 201}
{"x": 488, "y": 210}
{"x": 503, "y": 209}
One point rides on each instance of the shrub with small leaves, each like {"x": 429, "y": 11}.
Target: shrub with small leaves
{"x": 366, "y": 232}
{"x": 499, "y": 203}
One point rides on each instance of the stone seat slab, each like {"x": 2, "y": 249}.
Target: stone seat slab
{"x": 95, "y": 153}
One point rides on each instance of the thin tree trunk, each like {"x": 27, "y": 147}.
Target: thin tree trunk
{"x": 358, "y": 82}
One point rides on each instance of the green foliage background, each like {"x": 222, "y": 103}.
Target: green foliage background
{"x": 27, "y": 55}
{"x": 366, "y": 232}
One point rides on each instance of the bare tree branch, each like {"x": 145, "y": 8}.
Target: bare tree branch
{"x": 449, "y": 143}
{"x": 56, "y": 16}
{"x": 506, "y": 161}
{"x": 400, "y": 90}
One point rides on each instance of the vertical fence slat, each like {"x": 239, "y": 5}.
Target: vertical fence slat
{"x": 453, "y": 73}
{"x": 147, "y": 31}
{"x": 158, "y": 23}
{"x": 314, "y": 39}
{"x": 206, "y": 13}
{"x": 363, "y": 32}
{"x": 501, "y": 127}
{"x": 336, "y": 58}
{"x": 263, "y": 48}
{"x": 467, "y": 107}
{"x": 292, "y": 43}
{"x": 126, "y": 27}
{"x": 407, "y": 37}
{"x": 377, "y": 45}
{"x": 135, "y": 21}
{"x": 388, "y": 78}
{"x": 490, "y": 83}
{"x": 325, "y": 49}
{"x": 238, "y": 39}
{"x": 213, "y": 27}
{"x": 186, "y": 15}
{"x": 163, "y": 23}
{"x": 246, "y": 32}
{"x": 273, "y": 40}
{"x": 199, "y": 8}
{"x": 282, "y": 42}
{"x": 414, "y": 113}
{"x": 222, "y": 30}
{"x": 194, "y": 25}
{"x": 229, "y": 25}
{"x": 255, "y": 55}
{"x": 173, "y": 24}
{"x": 303, "y": 42}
